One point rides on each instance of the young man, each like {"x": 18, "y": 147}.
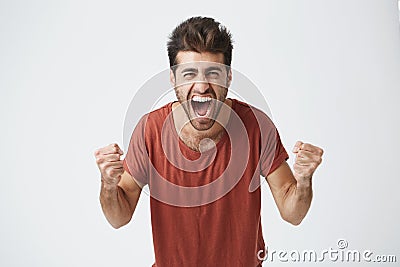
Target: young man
{"x": 199, "y": 156}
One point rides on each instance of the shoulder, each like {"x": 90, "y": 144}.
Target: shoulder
{"x": 152, "y": 122}
{"x": 157, "y": 117}
{"x": 250, "y": 114}
{"x": 162, "y": 111}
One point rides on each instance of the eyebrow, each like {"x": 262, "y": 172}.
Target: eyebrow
{"x": 213, "y": 68}
{"x": 189, "y": 70}
{"x": 196, "y": 70}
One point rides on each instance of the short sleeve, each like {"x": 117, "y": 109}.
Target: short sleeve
{"x": 136, "y": 159}
{"x": 273, "y": 154}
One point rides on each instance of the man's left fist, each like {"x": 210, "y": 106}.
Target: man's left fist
{"x": 308, "y": 158}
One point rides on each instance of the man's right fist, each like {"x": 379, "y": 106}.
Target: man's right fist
{"x": 109, "y": 163}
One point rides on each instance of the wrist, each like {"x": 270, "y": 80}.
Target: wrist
{"x": 304, "y": 183}
{"x": 107, "y": 185}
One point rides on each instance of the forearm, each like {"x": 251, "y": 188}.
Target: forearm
{"x": 297, "y": 201}
{"x": 115, "y": 205}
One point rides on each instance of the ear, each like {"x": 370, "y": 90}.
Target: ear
{"x": 172, "y": 77}
{"x": 229, "y": 78}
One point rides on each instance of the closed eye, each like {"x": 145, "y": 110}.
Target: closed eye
{"x": 189, "y": 75}
{"x": 213, "y": 74}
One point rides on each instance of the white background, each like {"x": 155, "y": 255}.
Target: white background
{"x": 330, "y": 71}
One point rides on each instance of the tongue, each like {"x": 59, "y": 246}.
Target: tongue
{"x": 200, "y": 107}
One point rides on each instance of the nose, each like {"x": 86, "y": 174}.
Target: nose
{"x": 200, "y": 87}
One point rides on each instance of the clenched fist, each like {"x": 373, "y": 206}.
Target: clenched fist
{"x": 109, "y": 163}
{"x": 308, "y": 158}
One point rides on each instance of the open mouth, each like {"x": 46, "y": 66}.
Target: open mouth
{"x": 201, "y": 105}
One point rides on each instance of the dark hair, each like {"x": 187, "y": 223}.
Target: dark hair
{"x": 200, "y": 34}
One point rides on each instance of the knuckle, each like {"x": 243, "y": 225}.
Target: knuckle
{"x": 102, "y": 169}
{"x": 99, "y": 160}
{"x": 314, "y": 165}
{"x": 115, "y": 147}
{"x": 105, "y": 165}
{"x": 111, "y": 146}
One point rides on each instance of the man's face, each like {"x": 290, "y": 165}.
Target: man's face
{"x": 200, "y": 80}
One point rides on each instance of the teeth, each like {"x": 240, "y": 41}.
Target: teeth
{"x": 201, "y": 99}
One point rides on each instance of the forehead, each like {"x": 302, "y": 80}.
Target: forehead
{"x": 190, "y": 56}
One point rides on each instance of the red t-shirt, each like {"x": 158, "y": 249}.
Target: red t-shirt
{"x": 205, "y": 207}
